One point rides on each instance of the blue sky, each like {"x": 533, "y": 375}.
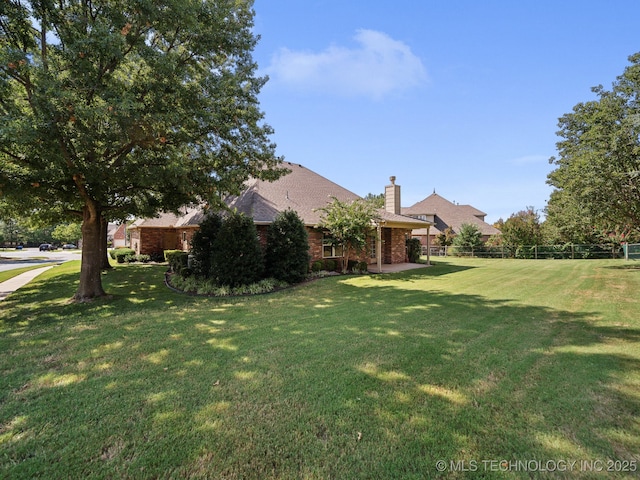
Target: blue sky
{"x": 460, "y": 96}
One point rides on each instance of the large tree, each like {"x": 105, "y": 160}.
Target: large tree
{"x": 598, "y": 164}
{"x": 522, "y": 228}
{"x": 116, "y": 107}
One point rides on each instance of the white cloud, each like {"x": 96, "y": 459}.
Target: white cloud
{"x": 378, "y": 66}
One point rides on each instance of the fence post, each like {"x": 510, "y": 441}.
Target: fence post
{"x": 572, "y": 252}
{"x": 535, "y": 252}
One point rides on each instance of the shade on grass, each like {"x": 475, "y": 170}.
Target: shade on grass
{"x": 372, "y": 376}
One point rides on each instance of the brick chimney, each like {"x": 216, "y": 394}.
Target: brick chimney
{"x": 392, "y": 197}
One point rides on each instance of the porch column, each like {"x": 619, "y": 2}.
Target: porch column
{"x": 428, "y": 247}
{"x": 379, "y": 247}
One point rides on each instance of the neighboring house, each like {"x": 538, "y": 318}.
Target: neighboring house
{"x": 117, "y": 234}
{"x": 301, "y": 190}
{"x": 443, "y": 214}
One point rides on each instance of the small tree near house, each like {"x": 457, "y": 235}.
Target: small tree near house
{"x": 202, "y": 244}
{"x": 469, "y": 237}
{"x": 287, "y": 251}
{"x": 349, "y": 224}
{"x": 236, "y": 257}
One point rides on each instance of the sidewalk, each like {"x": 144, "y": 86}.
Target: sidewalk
{"x": 13, "y": 284}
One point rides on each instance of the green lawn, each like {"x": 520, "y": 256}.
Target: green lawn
{"x": 9, "y": 274}
{"x": 470, "y": 361}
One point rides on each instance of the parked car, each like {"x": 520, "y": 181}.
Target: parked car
{"x": 69, "y": 246}
{"x": 46, "y": 247}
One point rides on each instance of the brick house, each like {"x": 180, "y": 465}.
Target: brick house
{"x": 301, "y": 190}
{"x": 443, "y": 214}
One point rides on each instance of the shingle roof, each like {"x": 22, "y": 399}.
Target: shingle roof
{"x": 301, "y": 190}
{"x": 448, "y": 214}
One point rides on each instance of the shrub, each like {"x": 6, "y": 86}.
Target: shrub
{"x": 202, "y": 244}
{"x": 236, "y": 257}
{"x": 177, "y": 260}
{"x": 287, "y": 252}
{"x": 316, "y": 266}
{"x": 362, "y": 267}
{"x": 121, "y": 254}
{"x": 330, "y": 265}
{"x": 157, "y": 257}
{"x": 414, "y": 249}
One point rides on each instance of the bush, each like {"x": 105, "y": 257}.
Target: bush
{"x": 177, "y": 260}
{"x": 330, "y": 265}
{"x": 362, "y": 267}
{"x": 236, "y": 257}
{"x": 121, "y": 254}
{"x": 202, "y": 244}
{"x": 157, "y": 257}
{"x": 316, "y": 266}
{"x": 414, "y": 249}
{"x": 287, "y": 252}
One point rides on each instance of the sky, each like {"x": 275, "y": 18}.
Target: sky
{"x": 460, "y": 97}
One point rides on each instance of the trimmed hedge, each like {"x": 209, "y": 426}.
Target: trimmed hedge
{"x": 177, "y": 260}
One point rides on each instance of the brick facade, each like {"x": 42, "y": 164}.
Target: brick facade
{"x": 155, "y": 240}
{"x": 394, "y": 249}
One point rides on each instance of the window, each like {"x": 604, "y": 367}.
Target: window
{"x": 330, "y": 249}
{"x": 372, "y": 247}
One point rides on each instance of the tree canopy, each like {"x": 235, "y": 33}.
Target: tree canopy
{"x": 349, "y": 223}
{"x": 522, "y": 228}
{"x": 597, "y": 179}
{"x": 469, "y": 236}
{"x": 122, "y": 107}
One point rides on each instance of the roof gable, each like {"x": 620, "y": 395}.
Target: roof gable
{"x": 448, "y": 214}
{"x": 301, "y": 190}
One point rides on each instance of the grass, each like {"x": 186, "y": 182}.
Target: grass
{"x": 9, "y": 274}
{"x": 381, "y": 376}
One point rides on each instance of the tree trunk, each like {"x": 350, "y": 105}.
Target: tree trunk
{"x": 104, "y": 226}
{"x": 91, "y": 268}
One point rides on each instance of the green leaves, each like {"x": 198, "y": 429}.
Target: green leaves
{"x": 598, "y": 159}
{"x": 349, "y": 223}
{"x": 129, "y": 107}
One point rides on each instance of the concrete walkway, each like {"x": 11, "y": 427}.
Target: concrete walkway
{"x": 13, "y": 284}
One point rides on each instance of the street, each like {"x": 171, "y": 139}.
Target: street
{"x": 10, "y": 259}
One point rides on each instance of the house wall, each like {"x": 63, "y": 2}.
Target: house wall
{"x": 153, "y": 240}
{"x": 315, "y": 244}
{"x": 185, "y": 235}
{"x": 148, "y": 241}
{"x": 394, "y": 249}
{"x": 120, "y": 236}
